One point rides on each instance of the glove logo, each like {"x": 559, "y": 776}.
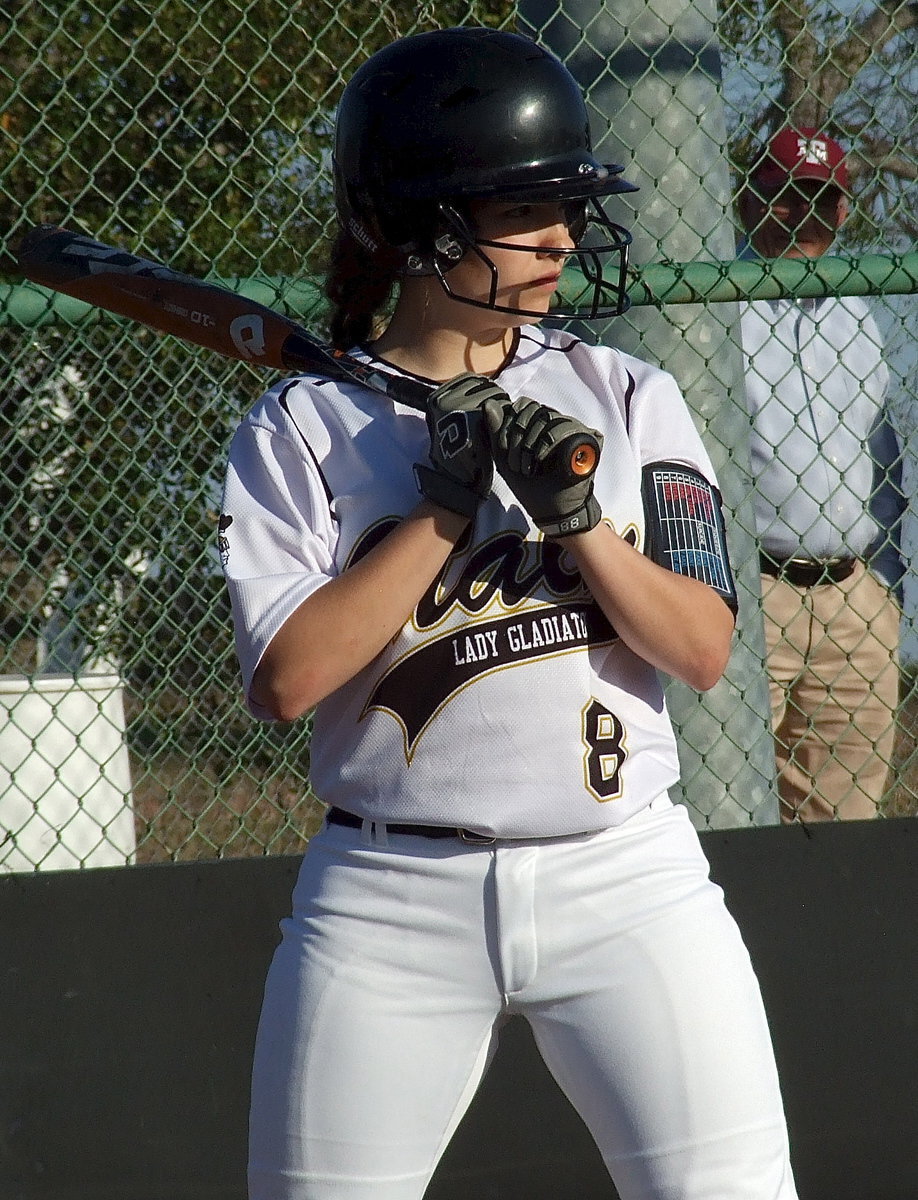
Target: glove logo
{"x": 453, "y": 434}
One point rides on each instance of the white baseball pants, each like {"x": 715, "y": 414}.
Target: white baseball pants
{"x": 402, "y": 956}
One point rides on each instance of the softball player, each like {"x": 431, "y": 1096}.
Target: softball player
{"x": 480, "y": 631}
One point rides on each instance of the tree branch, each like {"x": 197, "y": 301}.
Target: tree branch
{"x": 863, "y": 42}
{"x": 882, "y": 157}
{"x": 800, "y": 52}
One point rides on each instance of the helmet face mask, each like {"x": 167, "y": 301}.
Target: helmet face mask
{"x": 438, "y": 120}
{"x": 594, "y": 271}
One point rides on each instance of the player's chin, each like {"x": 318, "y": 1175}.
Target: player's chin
{"x": 537, "y": 299}
{"x": 507, "y": 316}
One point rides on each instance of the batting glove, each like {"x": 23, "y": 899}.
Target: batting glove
{"x": 460, "y": 471}
{"x": 548, "y": 461}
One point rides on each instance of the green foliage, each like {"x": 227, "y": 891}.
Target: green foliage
{"x": 200, "y": 131}
{"x": 114, "y": 442}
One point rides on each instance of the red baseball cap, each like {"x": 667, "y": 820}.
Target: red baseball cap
{"x": 802, "y": 153}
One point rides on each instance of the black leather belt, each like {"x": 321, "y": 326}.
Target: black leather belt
{"x": 804, "y": 572}
{"x": 339, "y": 816}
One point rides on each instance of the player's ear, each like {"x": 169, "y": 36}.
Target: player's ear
{"x": 841, "y": 211}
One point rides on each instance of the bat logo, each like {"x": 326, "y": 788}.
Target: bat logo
{"x": 195, "y": 316}
{"x": 248, "y": 335}
{"x": 100, "y": 259}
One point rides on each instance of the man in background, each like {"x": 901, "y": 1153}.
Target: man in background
{"x": 826, "y": 466}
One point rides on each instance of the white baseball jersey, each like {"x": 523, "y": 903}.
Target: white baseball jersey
{"x": 507, "y": 704}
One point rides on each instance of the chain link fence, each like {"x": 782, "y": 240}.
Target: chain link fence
{"x": 200, "y": 135}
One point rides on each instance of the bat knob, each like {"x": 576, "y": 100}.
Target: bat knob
{"x": 577, "y": 455}
{"x": 583, "y": 459}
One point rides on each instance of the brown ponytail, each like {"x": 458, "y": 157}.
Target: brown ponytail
{"x": 359, "y": 285}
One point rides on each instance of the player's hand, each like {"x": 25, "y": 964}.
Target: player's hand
{"x": 531, "y": 444}
{"x": 460, "y": 471}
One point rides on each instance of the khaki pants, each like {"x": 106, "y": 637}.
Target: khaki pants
{"x": 834, "y": 680}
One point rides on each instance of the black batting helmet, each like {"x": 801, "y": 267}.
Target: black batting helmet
{"x": 440, "y": 118}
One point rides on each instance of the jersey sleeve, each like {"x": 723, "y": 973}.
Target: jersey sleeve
{"x": 277, "y": 536}
{"x": 661, "y": 427}
{"x": 683, "y": 508}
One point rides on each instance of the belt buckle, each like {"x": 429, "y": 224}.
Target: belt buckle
{"x": 475, "y": 839}
{"x": 830, "y": 570}
{"x": 805, "y": 572}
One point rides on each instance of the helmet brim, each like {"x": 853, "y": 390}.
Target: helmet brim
{"x": 604, "y": 182}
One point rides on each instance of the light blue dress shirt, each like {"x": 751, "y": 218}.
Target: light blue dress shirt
{"x": 826, "y": 461}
